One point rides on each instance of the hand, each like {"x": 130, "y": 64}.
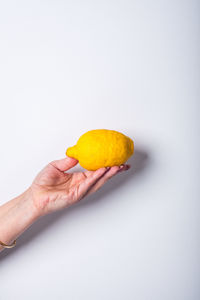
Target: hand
{"x": 53, "y": 189}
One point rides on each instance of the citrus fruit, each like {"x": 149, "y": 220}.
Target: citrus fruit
{"x": 101, "y": 148}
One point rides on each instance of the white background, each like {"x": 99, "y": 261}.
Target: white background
{"x": 70, "y": 66}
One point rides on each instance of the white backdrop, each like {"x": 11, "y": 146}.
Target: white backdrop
{"x": 70, "y": 66}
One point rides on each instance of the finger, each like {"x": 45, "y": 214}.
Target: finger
{"x": 91, "y": 180}
{"x": 123, "y": 167}
{"x": 64, "y": 164}
{"x": 112, "y": 172}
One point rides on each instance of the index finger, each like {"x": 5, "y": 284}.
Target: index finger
{"x": 90, "y": 181}
{"x": 112, "y": 172}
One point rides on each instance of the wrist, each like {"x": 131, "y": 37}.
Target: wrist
{"x": 16, "y": 216}
{"x": 28, "y": 196}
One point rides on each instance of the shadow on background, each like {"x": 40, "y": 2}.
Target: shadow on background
{"x": 139, "y": 163}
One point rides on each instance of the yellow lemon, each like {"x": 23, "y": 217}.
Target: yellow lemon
{"x": 101, "y": 148}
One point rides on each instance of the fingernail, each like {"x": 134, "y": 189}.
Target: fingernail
{"x": 107, "y": 168}
{"x": 127, "y": 167}
{"x": 121, "y": 169}
{"x": 121, "y": 166}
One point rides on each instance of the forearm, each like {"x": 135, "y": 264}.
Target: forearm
{"x": 16, "y": 216}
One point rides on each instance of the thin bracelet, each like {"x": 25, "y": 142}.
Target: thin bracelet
{"x": 8, "y": 246}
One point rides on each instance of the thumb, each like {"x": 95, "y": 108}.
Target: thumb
{"x": 65, "y": 163}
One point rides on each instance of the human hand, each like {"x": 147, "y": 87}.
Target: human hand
{"x": 53, "y": 189}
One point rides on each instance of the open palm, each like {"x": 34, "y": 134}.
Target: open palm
{"x": 54, "y": 189}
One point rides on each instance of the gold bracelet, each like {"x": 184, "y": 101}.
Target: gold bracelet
{"x": 8, "y": 246}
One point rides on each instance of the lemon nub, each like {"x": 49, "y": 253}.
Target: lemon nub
{"x": 72, "y": 152}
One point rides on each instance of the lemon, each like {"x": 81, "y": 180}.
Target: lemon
{"x": 101, "y": 148}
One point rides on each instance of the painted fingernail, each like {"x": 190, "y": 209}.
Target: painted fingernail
{"x": 121, "y": 169}
{"x": 127, "y": 167}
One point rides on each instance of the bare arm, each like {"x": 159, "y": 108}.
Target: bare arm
{"x": 16, "y": 216}
{"x": 53, "y": 189}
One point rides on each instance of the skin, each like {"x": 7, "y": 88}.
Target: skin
{"x": 53, "y": 189}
